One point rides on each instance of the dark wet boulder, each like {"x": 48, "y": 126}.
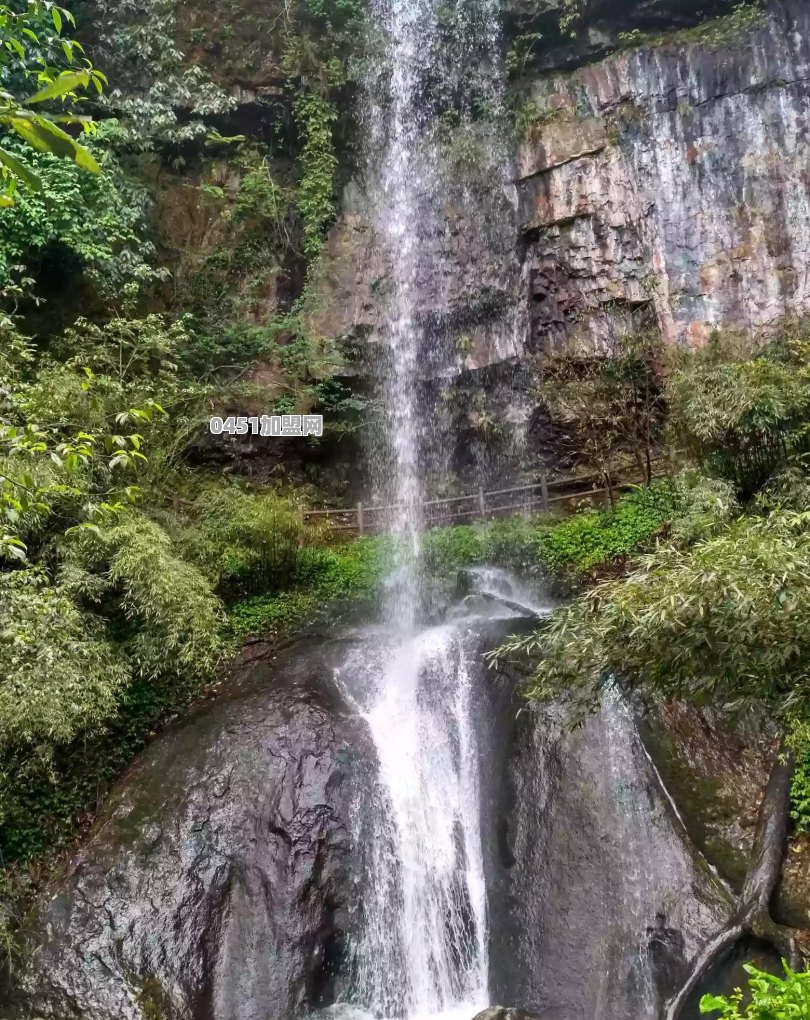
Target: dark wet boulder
{"x": 597, "y": 898}
{"x": 218, "y": 881}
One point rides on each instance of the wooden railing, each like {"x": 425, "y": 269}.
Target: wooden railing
{"x": 372, "y": 519}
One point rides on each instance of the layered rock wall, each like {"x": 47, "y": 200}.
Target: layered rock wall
{"x": 672, "y": 178}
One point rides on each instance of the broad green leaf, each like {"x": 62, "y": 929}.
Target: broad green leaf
{"x": 45, "y": 136}
{"x": 69, "y": 81}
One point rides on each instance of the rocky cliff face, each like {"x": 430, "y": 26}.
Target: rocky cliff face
{"x": 673, "y": 178}
{"x": 664, "y": 183}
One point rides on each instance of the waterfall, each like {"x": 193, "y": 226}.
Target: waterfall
{"x": 424, "y": 948}
{"x": 432, "y": 85}
{"x": 425, "y": 932}
{"x": 423, "y": 942}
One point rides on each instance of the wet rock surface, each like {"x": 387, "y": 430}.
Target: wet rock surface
{"x": 715, "y": 773}
{"x": 218, "y": 881}
{"x": 504, "y": 1013}
{"x": 597, "y": 895}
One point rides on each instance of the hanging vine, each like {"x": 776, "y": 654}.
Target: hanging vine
{"x": 315, "y": 115}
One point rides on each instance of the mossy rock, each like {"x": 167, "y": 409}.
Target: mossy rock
{"x": 715, "y": 775}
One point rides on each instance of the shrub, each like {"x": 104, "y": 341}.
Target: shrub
{"x": 596, "y": 538}
{"x": 177, "y": 620}
{"x": 772, "y": 998}
{"x": 247, "y": 541}
{"x": 741, "y": 412}
{"x": 725, "y": 621}
{"x": 351, "y": 571}
{"x": 800, "y": 789}
{"x": 60, "y": 673}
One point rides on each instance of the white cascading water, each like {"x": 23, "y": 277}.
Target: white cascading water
{"x": 424, "y": 951}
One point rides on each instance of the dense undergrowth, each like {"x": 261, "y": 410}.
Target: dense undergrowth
{"x": 716, "y": 612}
{"x": 125, "y": 535}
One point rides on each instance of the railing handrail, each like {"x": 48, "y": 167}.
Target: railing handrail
{"x": 354, "y": 518}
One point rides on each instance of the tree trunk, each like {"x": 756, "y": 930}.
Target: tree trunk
{"x": 751, "y": 915}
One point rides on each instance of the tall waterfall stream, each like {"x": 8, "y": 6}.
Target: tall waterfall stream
{"x": 425, "y": 946}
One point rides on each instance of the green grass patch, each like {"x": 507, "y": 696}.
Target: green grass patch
{"x": 571, "y": 547}
{"x": 597, "y": 539}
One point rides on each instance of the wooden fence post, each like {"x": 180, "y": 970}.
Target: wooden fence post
{"x": 482, "y": 506}
{"x": 544, "y": 490}
{"x": 360, "y": 521}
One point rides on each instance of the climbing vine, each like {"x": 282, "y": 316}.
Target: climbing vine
{"x": 315, "y": 115}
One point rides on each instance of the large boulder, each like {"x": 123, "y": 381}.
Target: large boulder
{"x": 597, "y": 898}
{"x": 218, "y": 879}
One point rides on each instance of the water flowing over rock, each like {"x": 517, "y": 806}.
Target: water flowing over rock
{"x": 362, "y": 830}
{"x": 598, "y": 897}
{"x": 424, "y": 945}
{"x": 441, "y": 246}
{"x": 376, "y": 825}
{"x": 503, "y": 1013}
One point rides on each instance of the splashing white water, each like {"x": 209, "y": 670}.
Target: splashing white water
{"x": 424, "y": 951}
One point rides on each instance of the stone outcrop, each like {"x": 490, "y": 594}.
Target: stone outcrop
{"x": 217, "y": 883}
{"x": 664, "y": 184}
{"x": 468, "y": 284}
{"x": 671, "y": 180}
{"x": 715, "y": 773}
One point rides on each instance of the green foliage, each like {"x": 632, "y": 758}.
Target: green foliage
{"x": 595, "y": 538}
{"x": 28, "y": 59}
{"x": 725, "y": 622}
{"x": 163, "y": 100}
{"x": 800, "y": 788}
{"x": 110, "y": 629}
{"x": 520, "y": 54}
{"x": 771, "y": 998}
{"x": 260, "y": 199}
{"x": 741, "y": 412}
{"x": 510, "y": 541}
{"x": 246, "y": 541}
{"x": 75, "y": 470}
{"x": 573, "y": 13}
{"x": 527, "y": 116}
{"x": 592, "y": 541}
{"x": 606, "y": 409}
{"x": 82, "y": 223}
{"x": 316, "y": 195}
{"x": 61, "y": 674}
{"x": 124, "y": 349}
{"x": 173, "y": 620}
{"x": 322, "y": 577}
